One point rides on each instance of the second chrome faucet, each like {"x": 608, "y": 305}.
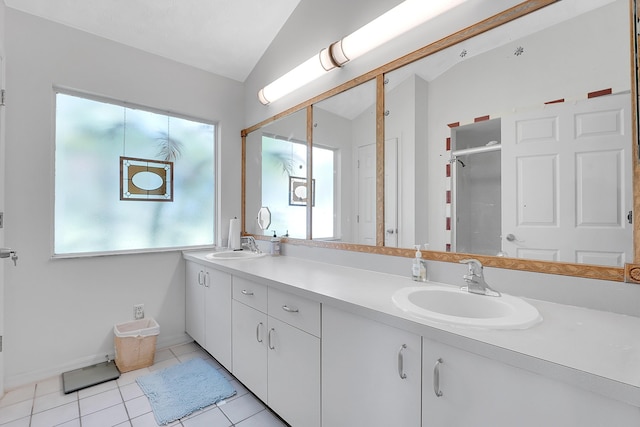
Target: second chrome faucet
{"x": 475, "y": 279}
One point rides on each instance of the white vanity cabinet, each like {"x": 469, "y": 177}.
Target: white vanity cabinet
{"x": 461, "y": 389}
{"x": 276, "y": 350}
{"x": 371, "y": 372}
{"x": 208, "y": 310}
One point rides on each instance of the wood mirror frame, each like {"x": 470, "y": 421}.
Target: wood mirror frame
{"x": 631, "y": 271}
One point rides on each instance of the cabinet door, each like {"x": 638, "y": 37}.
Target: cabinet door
{"x": 477, "y": 391}
{"x": 363, "y": 365}
{"x": 194, "y": 300}
{"x": 249, "y": 331}
{"x": 294, "y": 374}
{"x": 217, "y": 325}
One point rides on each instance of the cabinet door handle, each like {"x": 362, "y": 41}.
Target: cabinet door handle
{"x": 246, "y": 292}
{"x": 207, "y": 281}
{"x": 436, "y": 378}
{"x": 289, "y": 309}
{"x": 200, "y": 277}
{"x": 258, "y": 334}
{"x": 271, "y": 346}
{"x": 401, "y": 362}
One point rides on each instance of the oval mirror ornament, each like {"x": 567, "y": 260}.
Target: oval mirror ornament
{"x": 147, "y": 180}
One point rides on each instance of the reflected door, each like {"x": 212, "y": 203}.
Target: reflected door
{"x": 391, "y": 204}
{"x": 366, "y": 216}
{"x": 572, "y": 190}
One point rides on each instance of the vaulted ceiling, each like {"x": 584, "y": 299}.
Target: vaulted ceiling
{"x": 225, "y": 37}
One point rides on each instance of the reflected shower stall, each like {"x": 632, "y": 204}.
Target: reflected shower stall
{"x": 476, "y": 188}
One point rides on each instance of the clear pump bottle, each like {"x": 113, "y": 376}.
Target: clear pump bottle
{"x": 419, "y": 267}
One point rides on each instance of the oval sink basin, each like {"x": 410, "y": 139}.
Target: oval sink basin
{"x": 454, "y": 306}
{"x": 234, "y": 255}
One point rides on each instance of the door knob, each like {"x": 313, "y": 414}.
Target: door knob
{"x": 8, "y": 252}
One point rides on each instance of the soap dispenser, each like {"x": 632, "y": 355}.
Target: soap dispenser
{"x": 274, "y": 248}
{"x": 419, "y": 267}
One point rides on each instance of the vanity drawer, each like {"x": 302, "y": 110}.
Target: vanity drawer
{"x": 297, "y": 311}
{"x": 250, "y": 293}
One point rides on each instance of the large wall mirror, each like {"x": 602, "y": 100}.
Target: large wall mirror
{"x": 516, "y": 145}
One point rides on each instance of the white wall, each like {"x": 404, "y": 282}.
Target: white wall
{"x": 60, "y": 313}
{"x": 2, "y": 157}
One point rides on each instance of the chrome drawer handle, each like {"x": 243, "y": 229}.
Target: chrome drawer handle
{"x": 401, "y": 362}
{"x": 258, "y": 335}
{"x": 200, "y": 278}
{"x": 436, "y": 378}
{"x": 246, "y": 292}
{"x": 289, "y": 309}
{"x": 271, "y": 346}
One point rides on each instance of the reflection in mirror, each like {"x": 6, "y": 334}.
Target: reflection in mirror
{"x": 276, "y": 171}
{"x": 344, "y": 156}
{"x": 264, "y": 218}
{"x": 517, "y": 142}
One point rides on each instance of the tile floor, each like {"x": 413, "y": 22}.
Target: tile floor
{"x": 122, "y": 403}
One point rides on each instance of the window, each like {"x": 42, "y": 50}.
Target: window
{"x": 127, "y": 179}
{"x": 284, "y": 167}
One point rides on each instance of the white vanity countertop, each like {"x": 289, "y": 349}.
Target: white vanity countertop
{"x": 596, "y": 350}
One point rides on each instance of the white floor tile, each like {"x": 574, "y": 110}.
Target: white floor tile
{"x": 18, "y": 395}
{"x": 106, "y": 418}
{"x": 162, "y": 355}
{"x": 241, "y": 390}
{"x": 50, "y": 385}
{"x": 51, "y": 400}
{"x": 138, "y": 406}
{"x": 15, "y": 411}
{"x": 99, "y": 402}
{"x": 55, "y": 416}
{"x": 97, "y": 389}
{"x": 242, "y": 408}
{"x": 179, "y": 350}
{"x": 211, "y": 418}
{"x": 22, "y": 422}
{"x": 131, "y": 391}
{"x": 262, "y": 419}
{"x": 130, "y": 377}
{"x": 163, "y": 364}
{"x": 72, "y": 423}
{"x": 148, "y": 420}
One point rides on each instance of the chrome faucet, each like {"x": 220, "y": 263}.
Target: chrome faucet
{"x": 475, "y": 279}
{"x": 250, "y": 243}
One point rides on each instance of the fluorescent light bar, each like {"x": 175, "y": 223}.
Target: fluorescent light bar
{"x": 402, "y": 18}
{"x": 304, "y": 73}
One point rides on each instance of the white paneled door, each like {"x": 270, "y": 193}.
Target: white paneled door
{"x": 367, "y": 194}
{"x": 569, "y": 190}
{"x": 391, "y": 193}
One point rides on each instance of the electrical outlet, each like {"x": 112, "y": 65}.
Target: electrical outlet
{"x": 138, "y": 311}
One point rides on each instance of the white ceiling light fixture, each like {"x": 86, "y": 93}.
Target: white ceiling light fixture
{"x": 402, "y": 18}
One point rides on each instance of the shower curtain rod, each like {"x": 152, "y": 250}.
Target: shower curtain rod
{"x": 475, "y": 150}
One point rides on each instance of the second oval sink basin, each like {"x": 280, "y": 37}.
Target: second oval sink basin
{"x": 454, "y": 306}
{"x": 234, "y": 255}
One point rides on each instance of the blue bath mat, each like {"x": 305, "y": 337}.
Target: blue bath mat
{"x": 180, "y": 390}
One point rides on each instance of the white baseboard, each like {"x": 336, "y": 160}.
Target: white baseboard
{"x": 15, "y": 381}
